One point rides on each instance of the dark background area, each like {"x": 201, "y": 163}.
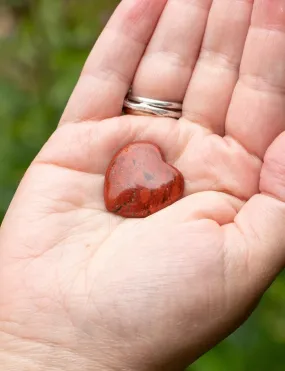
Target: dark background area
{"x": 43, "y": 45}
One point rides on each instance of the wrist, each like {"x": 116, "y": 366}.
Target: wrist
{"x": 26, "y": 355}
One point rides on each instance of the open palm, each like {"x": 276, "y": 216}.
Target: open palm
{"x": 81, "y": 287}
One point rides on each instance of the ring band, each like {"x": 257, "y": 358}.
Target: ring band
{"x": 131, "y": 111}
{"x": 151, "y": 110}
{"x": 156, "y": 103}
{"x": 145, "y": 106}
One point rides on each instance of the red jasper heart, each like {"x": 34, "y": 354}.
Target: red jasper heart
{"x": 139, "y": 182}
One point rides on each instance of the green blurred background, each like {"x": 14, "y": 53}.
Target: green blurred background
{"x": 43, "y": 45}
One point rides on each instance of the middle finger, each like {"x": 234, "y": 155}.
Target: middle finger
{"x": 217, "y": 69}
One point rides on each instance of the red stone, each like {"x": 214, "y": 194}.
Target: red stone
{"x": 139, "y": 182}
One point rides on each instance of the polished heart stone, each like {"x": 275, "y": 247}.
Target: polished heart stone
{"x": 139, "y": 182}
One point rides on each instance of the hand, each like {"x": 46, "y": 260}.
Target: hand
{"x": 81, "y": 287}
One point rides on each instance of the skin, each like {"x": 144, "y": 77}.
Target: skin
{"x": 82, "y": 288}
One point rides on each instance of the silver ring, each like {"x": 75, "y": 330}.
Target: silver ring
{"x": 155, "y": 111}
{"x": 134, "y": 104}
{"x": 156, "y": 103}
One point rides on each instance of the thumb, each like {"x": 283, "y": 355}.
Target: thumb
{"x": 261, "y": 222}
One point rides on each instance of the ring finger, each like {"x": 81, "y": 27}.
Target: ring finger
{"x": 168, "y": 63}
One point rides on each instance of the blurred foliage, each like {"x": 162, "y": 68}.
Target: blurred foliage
{"x": 43, "y": 45}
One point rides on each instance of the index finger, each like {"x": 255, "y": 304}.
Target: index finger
{"x": 110, "y": 68}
